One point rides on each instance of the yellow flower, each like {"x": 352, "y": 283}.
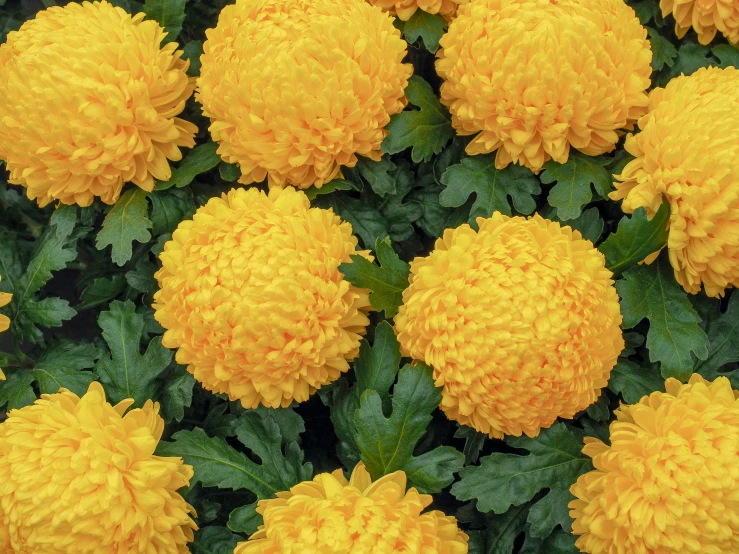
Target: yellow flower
{"x": 252, "y": 296}
{"x": 331, "y": 515}
{"x": 297, "y": 88}
{"x": 687, "y": 151}
{"x": 705, "y": 16}
{"x": 77, "y": 476}
{"x": 88, "y": 100}
{"x": 532, "y": 78}
{"x": 404, "y": 9}
{"x": 519, "y": 321}
{"x": 669, "y": 481}
{"x": 5, "y": 299}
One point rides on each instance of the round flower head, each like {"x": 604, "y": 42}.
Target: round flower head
{"x": 404, "y": 9}
{"x": 687, "y": 152}
{"x": 5, "y": 299}
{"x": 88, "y": 100}
{"x": 297, "y": 88}
{"x": 519, "y": 321}
{"x": 531, "y": 78}
{"x": 669, "y": 481}
{"x": 331, "y": 515}
{"x": 252, "y": 296}
{"x": 705, "y": 16}
{"x": 77, "y": 476}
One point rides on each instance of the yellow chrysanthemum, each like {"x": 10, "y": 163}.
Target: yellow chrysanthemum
{"x": 404, "y": 9}
{"x": 88, "y": 100}
{"x": 519, "y": 321}
{"x": 687, "y": 151}
{"x": 532, "y": 78}
{"x": 331, "y": 515}
{"x": 5, "y": 299}
{"x": 77, "y": 476}
{"x": 669, "y": 481}
{"x": 252, "y": 296}
{"x": 297, "y": 88}
{"x": 705, "y": 16}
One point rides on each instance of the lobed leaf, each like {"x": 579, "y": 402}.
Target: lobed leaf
{"x": 126, "y": 222}
{"x": 574, "y": 179}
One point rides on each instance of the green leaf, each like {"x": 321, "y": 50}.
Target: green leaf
{"x": 49, "y": 312}
{"x": 177, "y": 394}
{"x": 192, "y": 52}
{"x": 727, "y": 54}
{"x": 126, "y": 222}
{"x": 101, "y": 291}
{"x": 633, "y": 382}
{"x": 123, "y": 371}
{"x": 229, "y": 172}
{"x": 169, "y": 208}
{"x": 200, "y": 159}
{"x": 502, "y": 480}
{"x": 16, "y": 391}
{"x": 245, "y": 520}
{"x": 663, "y": 52}
{"x": 214, "y": 540}
{"x": 386, "y": 282}
{"x": 574, "y": 178}
{"x": 378, "y": 365}
{"x": 492, "y": 187}
{"x": 328, "y": 188}
{"x": 379, "y": 175}
{"x": 366, "y": 220}
{"x": 503, "y": 530}
{"x": 169, "y": 13}
{"x": 559, "y": 542}
{"x": 429, "y": 27}
{"x": 397, "y": 209}
{"x": 646, "y": 10}
{"x": 636, "y": 238}
{"x": 387, "y": 444}
{"x": 690, "y": 58}
{"x": 426, "y": 130}
{"x": 651, "y": 292}
{"x": 63, "y": 365}
{"x": 723, "y": 334}
{"x": 589, "y": 224}
{"x": 473, "y": 443}
{"x": 141, "y": 278}
{"x": 343, "y": 403}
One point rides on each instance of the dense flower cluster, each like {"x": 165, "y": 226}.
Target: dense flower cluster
{"x": 331, "y": 515}
{"x": 88, "y": 100}
{"x": 404, "y": 9}
{"x": 705, "y": 16}
{"x": 77, "y": 476}
{"x": 5, "y": 299}
{"x": 295, "y": 89}
{"x": 252, "y": 296}
{"x": 532, "y": 78}
{"x": 686, "y": 152}
{"x": 669, "y": 481}
{"x": 519, "y": 321}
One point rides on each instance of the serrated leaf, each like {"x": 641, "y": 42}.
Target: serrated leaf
{"x": 64, "y": 365}
{"x": 387, "y": 444}
{"x": 65, "y": 219}
{"x": 492, "y": 187}
{"x": 328, "y": 188}
{"x": 399, "y": 211}
{"x": 727, "y": 54}
{"x": 49, "y": 312}
{"x": 101, "y": 290}
{"x": 288, "y": 420}
{"x": 559, "y": 542}
{"x": 473, "y": 443}
{"x": 141, "y": 278}
{"x": 386, "y": 282}
{"x": 245, "y": 520}
{"x": 503, "y": 530}
{"x": 214, "y": 540}
{"x": 177, "y": 394}
{"x": 663, "y": 52}
{"x": 589, "y": 222}
{"x": 378, "y": 365}
{"x": 651, "y": 292}
{"x": 170, "y": 14}
{"x": 691, "y": 57}
{"x": 426, "y": 130}
{"x": 428, "y": 27}
{"x": 16, "y": 390}
{"x": 723, "y": 334}
{"x": 574, "y": 179}
{"x": 502, "y": 480}
{"x": 633, "y": 382}
{"x": 123, "y": 371}
{"x": 192, "y": 52}
{"x": 126, "y": 222}
{"x": 199, "y": 160}
{"x": 646, "y": 10}
{"x": 343, "y": 403}
{"x": 366, "y": 220}
{"x": 169, "y": 208}
{"x": 379, "y": 175}
{"x": 636, "y": 238}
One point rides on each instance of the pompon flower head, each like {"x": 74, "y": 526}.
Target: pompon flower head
{"x": 331, "y": 515}
{"x": 252, "y": 297}
{"x": 686, "y": 152}
{"x": 79, "y": 476}
{"x": 532, "y": 78}
{"x": 5, "y": 299}
{"x": 519, "y": 321}
{"x": 706, "y": 17}
{"x": 405, "y": 9}
{"x": 669, "y": 481}
{"x": 295, "y": 89}
{"x": 88, "y": 100}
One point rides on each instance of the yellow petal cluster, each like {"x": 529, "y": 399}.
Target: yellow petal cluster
{"x": 519, "y": 321}
{"x": 331, "y": 515}
{"x": 532, "y": 78}
{"x": 687, "y": 152}
{"x": 79, "y": 476}
{"x": 295, "y": 89}
{"x": 669, "y": 481}
{"x": 252, "y": 297}
{"x": 405, "y": 9}
{"x": 706, "y": 17}
{"x": 5, "y": 299}
{"x": 88, "y": 100}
